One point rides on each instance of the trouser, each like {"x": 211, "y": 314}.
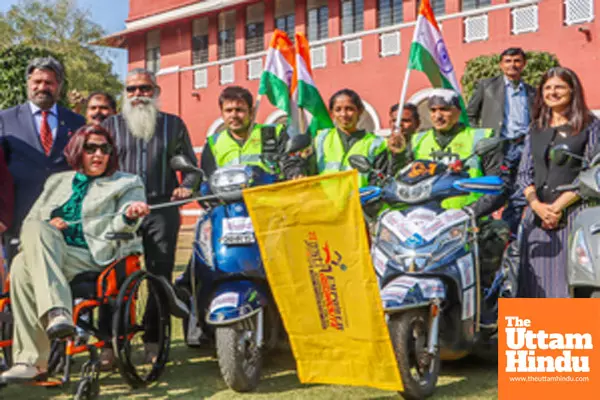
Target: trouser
{"x": 11, "y": 246}
{"x": 159, "y": 232}
{"x": 40, "y": 276}
{"x": 205, "y": 277}
{"x": 513, "y": 212}
{"x": 493, "y": 238}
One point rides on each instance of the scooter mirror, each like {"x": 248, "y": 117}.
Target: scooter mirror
{"x": 560, "y": 154}
{"x": 360, "y": 163}
{"x": 488, "y": 145}
{"x": 297, "y": 143}
{"x": 181, "y": 163}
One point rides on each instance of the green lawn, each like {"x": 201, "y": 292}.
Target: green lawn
{"x": 194, "y": 374}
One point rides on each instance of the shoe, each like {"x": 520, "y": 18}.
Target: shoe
{"x": 107, "y": 360}
{"x": 151, "y": 352}
{"x": 23, "y": 373}
{"x": 60, "y": 324}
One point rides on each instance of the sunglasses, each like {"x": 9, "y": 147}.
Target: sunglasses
{"x": 141, "y": 88}
{"x": 91, "y": 148}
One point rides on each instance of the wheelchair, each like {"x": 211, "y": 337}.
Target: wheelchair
{"x": 124, "y": 289}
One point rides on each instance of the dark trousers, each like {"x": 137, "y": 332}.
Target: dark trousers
{"x": 11, "y": 245}
{"x": 205, "y": 279}
{"x": 159, "y": 232}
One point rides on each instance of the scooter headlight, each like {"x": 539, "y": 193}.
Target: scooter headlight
{"x": 580, "y": 252}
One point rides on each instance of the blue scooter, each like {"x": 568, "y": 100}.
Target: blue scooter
{"x": 427, "y": 262}
{"x": 241, "y": 307}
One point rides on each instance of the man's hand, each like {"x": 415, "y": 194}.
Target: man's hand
{"x": 396, "y": 142}
{"x": 181, "y": 193}
{"x": 137, "y": 210}
{"x": 58, "y": 223}
{"x": 3, "y": 228}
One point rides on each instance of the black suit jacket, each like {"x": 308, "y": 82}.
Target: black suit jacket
{"x": 486, "y": 107}
{"x": 25, "y": 156}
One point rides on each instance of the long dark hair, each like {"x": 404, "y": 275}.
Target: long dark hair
{"x": 578, "y": 113}
{"x": 74, "y": 150}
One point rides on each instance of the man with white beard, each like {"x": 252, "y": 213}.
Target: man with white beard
{"x": 147, "y": 139}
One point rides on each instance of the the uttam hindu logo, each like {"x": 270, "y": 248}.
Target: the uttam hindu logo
{"x": 321, "y": 266}
{"x": 524, "y": 343}
{"x": 547, "y": 349}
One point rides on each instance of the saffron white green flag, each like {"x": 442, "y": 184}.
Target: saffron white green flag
{"x": 305, "y": 92}
{"x": 429, "y": 55}
{"x": 276, "y": 79}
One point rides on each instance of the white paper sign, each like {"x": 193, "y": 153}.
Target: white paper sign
{"x": 468, "y": 306}
{"x": 467, "y": 272}
{"x": 229, "y": 299}
{"x": 237, "y": 225}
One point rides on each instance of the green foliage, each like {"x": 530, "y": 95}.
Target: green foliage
{"x": 13, "y": 66}
{"x": 486, "y": 66}
{"x": 64, "y": 29}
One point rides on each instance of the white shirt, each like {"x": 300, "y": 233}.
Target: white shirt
{"x": 52, "y": 118}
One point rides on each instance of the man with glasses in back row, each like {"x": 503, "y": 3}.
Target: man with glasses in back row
{"x": 147, "y": 139}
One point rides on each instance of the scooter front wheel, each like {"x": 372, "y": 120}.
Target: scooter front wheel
{"x": 240, "y": 359}
{"x": 419, "y": 370}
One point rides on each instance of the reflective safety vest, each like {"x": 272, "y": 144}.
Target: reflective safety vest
{"x": 463, "y": 144}
{"x": 227, "y": 151}
{"x": 331, "y": 156}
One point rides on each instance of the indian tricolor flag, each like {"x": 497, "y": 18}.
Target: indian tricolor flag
{"x": 428, "y": 53}
{"x": 276, "y": 79}
{"x": 305, "y": 92}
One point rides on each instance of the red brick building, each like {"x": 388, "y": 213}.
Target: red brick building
{"x": 198, "y": 47}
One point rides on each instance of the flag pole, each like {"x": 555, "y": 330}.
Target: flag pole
{"x": 402, "y": 98}
{"x": 254, "y": 112}
{"x": 301, "y": 120}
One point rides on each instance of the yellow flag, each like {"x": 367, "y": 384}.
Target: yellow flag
{"x": 313, "y": 242}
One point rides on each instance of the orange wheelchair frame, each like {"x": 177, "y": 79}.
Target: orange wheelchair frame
{"x": 116, "y": 286}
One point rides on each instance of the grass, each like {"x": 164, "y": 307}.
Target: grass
{"x": 194, "y": 374}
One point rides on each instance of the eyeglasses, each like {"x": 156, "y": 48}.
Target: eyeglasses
{"x": 90, "y": 148}
{"x": 141, "y": 88}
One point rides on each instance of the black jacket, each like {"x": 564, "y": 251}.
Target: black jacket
{"x": 486, "y": 106}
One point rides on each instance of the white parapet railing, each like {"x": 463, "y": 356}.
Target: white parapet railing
{"x": 255, "y": 67}
{"x": 200, "y": 78}
{"x": 352, "y": 50}
{"x": 525, "y": 19}
{"x": 579, "y": 11}
{"x": 476, "y": 28}
{"x": 318, "y": 56}
{"x": 389, "y": 44}
{"x": 227, "y": 74}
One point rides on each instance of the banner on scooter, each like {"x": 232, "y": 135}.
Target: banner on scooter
{"x": 313, "y": 243}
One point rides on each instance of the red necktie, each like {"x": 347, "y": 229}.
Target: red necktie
{"x": 46, "y": 133}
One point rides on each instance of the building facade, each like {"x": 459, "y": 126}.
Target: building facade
{"x": 199, "y": 47}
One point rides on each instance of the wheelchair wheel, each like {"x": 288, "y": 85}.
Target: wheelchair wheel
{"x": 6, "y": 334}
{"x": 132, "y": 329}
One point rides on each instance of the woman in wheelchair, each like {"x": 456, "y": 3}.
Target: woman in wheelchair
{"x": 64, "y": 235}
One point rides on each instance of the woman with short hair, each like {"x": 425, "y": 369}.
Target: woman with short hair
{"x": 64, "y": 235}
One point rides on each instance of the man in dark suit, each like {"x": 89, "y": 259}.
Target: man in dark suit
{"x": 33, "y": 136}
{"x": 504, "y": 103}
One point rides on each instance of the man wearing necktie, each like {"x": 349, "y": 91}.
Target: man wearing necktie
{"x": 33, "y": 136}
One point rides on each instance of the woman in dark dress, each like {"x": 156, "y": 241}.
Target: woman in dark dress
{"x": 560, "y": 116}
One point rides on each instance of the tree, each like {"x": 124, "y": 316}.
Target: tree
{"x": 482, "y": 67}
{"x": 63, "y": 28}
